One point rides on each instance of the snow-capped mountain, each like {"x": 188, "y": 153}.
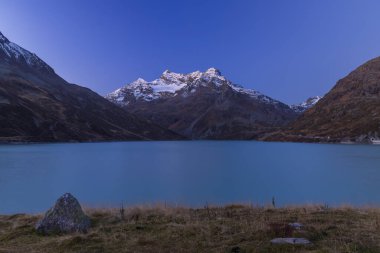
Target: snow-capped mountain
{"x": 12, "y": 52}
{"x": 172, "y": 84}
{"x": 310, "y": 102}
{"x": 202, "y": 105}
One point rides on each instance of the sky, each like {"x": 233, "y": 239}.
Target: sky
{"x": 289, "y": 50}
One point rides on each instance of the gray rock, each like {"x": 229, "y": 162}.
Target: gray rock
{"x": 296, "y": 225}
{"x": 66, "y": 216}
{"x": 296, "y": 241}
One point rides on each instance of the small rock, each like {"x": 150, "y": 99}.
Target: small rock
{"x": 296, "y": 225}
{"x": 296, "y": 241}
{"x": 66, "y": 216}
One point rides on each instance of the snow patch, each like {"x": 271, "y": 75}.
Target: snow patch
{"x": 17, "y": 53}
{"x": 310, "y": 102}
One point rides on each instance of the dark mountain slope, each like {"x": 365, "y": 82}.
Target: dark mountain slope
{"x": 349, "y": 112}
{"x": 38, "y": 105}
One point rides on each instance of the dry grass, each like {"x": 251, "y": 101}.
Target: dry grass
{"x": 234, "y": 228}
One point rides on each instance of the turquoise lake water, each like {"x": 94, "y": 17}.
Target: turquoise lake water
{"x": 188, "y": 173}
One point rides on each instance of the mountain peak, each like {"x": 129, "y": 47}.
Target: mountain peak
{"x": 172, "y": 77}
{"x": 213, "y": 71}
{"x": 3, "y": 38}
{"x": 12, "y": 53}
{"x": 140, "y": 80}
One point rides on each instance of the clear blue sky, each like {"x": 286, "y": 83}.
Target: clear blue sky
{"x": 289, "y": 50}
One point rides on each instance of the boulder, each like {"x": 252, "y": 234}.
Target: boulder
{"x": 66, "y": 216}
{"x": 296, "y": 241}
{"x": 296, "y": 225}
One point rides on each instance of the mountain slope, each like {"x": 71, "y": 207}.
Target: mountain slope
{"x": 38, "y": 105}
{"x": 349, "y": 112}
{"x": 203, "y": 105}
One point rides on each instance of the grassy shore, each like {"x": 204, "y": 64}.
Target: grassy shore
{"x": 234, "y": 228}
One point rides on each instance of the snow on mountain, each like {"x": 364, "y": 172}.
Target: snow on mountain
{"x": 13, "y": 52}
{"x": 171, "y": 84}
{"x": 310, "y": 102}
{"x": 203, "y": 105}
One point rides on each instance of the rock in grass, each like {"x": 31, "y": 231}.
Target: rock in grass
{"x": 296, "y": 225}
{"x": 66, "y": 216}
{"x": 296, "y": 241}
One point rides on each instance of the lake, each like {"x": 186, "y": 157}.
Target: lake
{"x": 190, "y": 173}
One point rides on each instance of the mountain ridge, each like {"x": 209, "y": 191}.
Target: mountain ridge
{"x": 207, "y": 105}
{"x": 170, "y": 82}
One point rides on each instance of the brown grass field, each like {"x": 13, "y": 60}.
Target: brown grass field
{"x": 233, "y": 228}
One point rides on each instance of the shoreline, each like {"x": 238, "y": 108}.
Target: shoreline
{"x": 172, "y": 205}
{"x": 30, "y": 143}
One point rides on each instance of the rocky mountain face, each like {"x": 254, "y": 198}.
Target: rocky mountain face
{"x": 350, "y": 112}
{"x": 203, "y": 105}
{"x": 38, "y": 105}
{"x": 302, "y": 107}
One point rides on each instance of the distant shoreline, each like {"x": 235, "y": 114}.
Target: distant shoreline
{"x": 184, "y": 140}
